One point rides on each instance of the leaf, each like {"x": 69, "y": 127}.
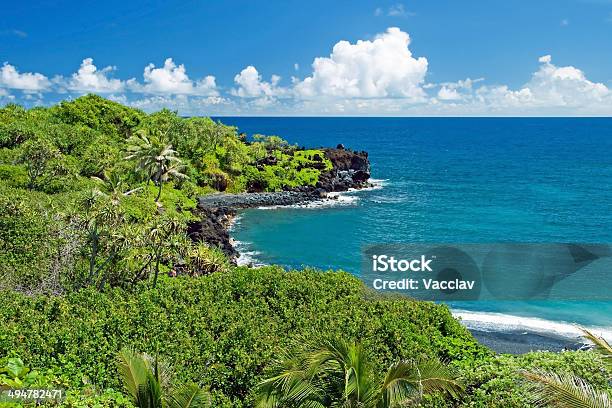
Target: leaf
{"x": 564, "y": 391}
{"x": 189, "y": 396}
{"x": 15, "y": 367}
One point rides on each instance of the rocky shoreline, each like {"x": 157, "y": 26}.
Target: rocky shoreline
{"x": 350, "y": 170}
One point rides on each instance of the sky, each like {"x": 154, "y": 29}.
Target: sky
{"x": 311, "y": 58}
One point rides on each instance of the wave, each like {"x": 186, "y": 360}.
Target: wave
{"x": 246, "y": 256}
{"x": 334, "y": 199}
{"x": 499, "y": 322}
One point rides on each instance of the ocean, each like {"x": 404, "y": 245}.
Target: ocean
{"x": 450, "y": 180}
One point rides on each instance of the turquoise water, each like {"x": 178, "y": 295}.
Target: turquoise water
{"x": 455, "y": 180}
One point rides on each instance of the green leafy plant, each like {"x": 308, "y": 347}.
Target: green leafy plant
{"x": 569, "y": 391}
{"x": 147, "y": 382}
{"x": 156, "y": 157}
{"x": 339, "y": 373}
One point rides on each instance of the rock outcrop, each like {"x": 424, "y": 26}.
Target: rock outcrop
{"x": 350, "y": 170}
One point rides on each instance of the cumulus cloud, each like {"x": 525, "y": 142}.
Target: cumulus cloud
{"x": 551, "y": 87}
{"x": 173, "y": 79}
{"x": 90, "y": 79}
{"x": 383, "y": 67}
{"x": 251, "y": 85}
{"x": 453, "y": 91}
{"x": 27, "y": 81}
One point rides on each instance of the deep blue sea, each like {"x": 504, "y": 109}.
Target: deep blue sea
{"x": 453, "y": 180}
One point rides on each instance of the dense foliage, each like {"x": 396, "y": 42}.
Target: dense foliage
{"x": 95, "y": 193}
{"x": 223, "y": 331}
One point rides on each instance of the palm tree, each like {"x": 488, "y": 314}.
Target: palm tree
{"x": 145, "y": 379}
{"x": 113, "y": 187}
{"x": 156, "y": 157}
{"x": 338, "y": 373}
{"x": 569, "y": 391}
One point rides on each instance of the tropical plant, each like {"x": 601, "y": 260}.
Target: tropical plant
{"x": 36, "y": 154}
{"x": 339, "y": 373}
{"x": 569, "y": 391}
{"x": 564, "y": 391}
{"x": 156, "y": 157}
{"x": 114, "y": 187}
{"x": 204, "y": 259}
{"x": 146, "y": 380}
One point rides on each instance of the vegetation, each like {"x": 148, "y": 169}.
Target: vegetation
{"x": 95, "y": 201}
{"x": 225, "y": 332}
{"x": 93, "y": 193}
{"x": 570, "y": 391}
{"x": 145, "y": 379}
{"x": 339, "y": 373}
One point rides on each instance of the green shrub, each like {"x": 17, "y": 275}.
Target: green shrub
{"x": 219, "y": 331}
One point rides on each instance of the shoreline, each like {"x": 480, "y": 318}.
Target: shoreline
{"x": 220, "y": 212}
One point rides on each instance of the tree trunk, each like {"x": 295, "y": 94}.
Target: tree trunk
{"x": 159, "y": 191}
{"x": 156, "y": 268}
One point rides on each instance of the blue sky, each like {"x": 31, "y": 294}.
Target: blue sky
{"x": 256, "y": 58}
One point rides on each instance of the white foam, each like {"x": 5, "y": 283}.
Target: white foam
{"x": 332, "y": 200}
{"x": 494, "y": 322}
{"x": 375, "y": 184}
{"x": 246, "y": 257}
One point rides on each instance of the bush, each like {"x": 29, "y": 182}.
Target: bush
{"x": 219, "y": 331}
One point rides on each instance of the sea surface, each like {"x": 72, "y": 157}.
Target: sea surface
{"x": 450, "y": 180}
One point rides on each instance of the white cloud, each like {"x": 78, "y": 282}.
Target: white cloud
{"x": 27, "y": 81}
{"x": 448, "y": 94}
{"x": 89, "y": 79}
{"x": 553, "y": 87}
{"x": 453, "y": 91}
{"x": 251, "y": 85}
{"x": 396, "y": 10}
{"x": 551, "y": 90}
{"x": 173, "y": 79}
{"x": 184, "y": 104}
{"x": 383, "y": 67}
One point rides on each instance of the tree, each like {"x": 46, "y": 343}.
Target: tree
{"x": 339, "y": 373}
{"x": 569, "y": 391}
{"x": 114, "y": 187}
{"x": 36, "y": 154}
{"x": 162, "y": 238}
{"x": 155, "y": 157}
{"x": 146, "y": 380}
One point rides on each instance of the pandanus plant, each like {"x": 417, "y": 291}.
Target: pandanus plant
{"x": 338, "y": 373}
{"x": 146, "y": 380}
{"x": 569, "y": 391}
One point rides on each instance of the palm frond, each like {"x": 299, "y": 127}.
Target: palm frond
{"x": 132, "y": 371}
{"x": 291, "y": 386}
{"x": 189, "y": 396}
{"x": 601, "y": 346}
{"x": 139, "y": 379}
{"x": 564, "y": 391}
{"x": 438, "y": 377}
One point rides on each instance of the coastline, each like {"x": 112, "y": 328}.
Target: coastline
{"x": 502, "y": 333}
